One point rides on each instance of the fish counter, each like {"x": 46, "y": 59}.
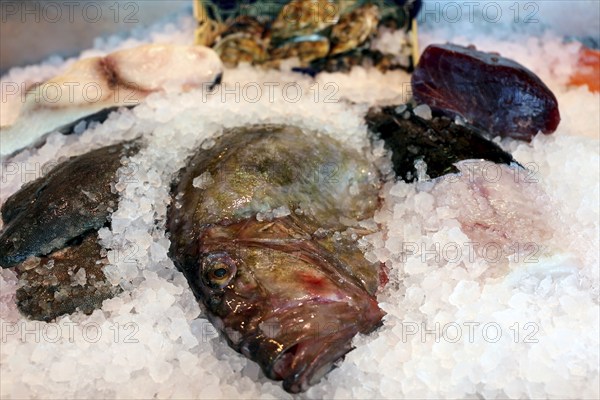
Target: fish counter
{"x": 302, "y": 200}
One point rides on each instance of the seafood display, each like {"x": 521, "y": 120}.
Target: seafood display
{"x": 281, "y": 240}
{"x": 265, "y": 236}
{"x": 263, "y": 224}
{"x": 323, "y": 35}
{"x": 264, "y": 227}
{"x": 490, "y": 91}
{"x": 93, "y": 87}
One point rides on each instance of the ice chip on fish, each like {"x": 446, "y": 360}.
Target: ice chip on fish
{"x": 289, "y": 292}
{"x": 90, "y": 86}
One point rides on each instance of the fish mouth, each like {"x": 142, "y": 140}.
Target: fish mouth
{"x": 306, "y": 362}
{"x": 302, "y": 349}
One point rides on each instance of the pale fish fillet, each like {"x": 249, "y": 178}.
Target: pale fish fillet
{"x": 92, "y": 85}
{"x": 502, "y": 209}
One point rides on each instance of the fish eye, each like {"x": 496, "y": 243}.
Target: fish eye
{"x": 219, "y": 273}
{"x": 217, "y": 270}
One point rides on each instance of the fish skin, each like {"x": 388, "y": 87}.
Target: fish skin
{"x": 48, "y": 290}
{"x": 73, "y": 198}
{"x": 439, "y": 142}
{"x": 284, "y": 292}
{"x": 494, "y": 93}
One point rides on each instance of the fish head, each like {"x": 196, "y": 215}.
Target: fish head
{"x": 281, "y": 299}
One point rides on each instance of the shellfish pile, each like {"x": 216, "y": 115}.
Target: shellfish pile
{"x": 324, "y": 35}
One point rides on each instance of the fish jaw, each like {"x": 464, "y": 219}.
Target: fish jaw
{"x": 304, "y": 343}
{"x": 297, "y": 343}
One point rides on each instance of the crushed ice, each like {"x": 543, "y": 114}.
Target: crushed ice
{"x": 455, "y": 326}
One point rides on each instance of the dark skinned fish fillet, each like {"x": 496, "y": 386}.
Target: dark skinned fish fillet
{"x": 439, "y": 142}
{"x": 50, "y": 234}
{"x": 74, "y": 198}
{"x": 490, "y": 91}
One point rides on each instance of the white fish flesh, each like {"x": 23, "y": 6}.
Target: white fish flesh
{"x": 93, "y": 85}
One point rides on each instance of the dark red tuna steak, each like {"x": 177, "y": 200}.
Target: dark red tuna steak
{"x": 490, "y": 91}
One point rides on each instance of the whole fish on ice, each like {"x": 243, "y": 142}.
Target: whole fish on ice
{"x": 264, "y": 227}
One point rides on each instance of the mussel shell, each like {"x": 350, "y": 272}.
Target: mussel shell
{"x": 306, "y": 48}
{"x": 354, "y": 28}
{"x": 240, "y": 47}
{"x": 304, "y": 17}
{"x": 246, "y": 24}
